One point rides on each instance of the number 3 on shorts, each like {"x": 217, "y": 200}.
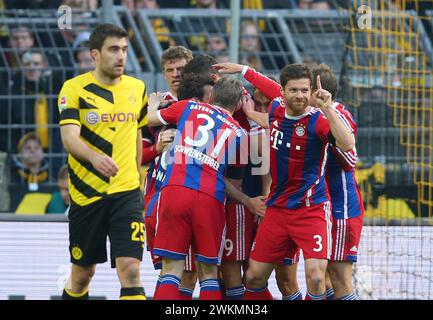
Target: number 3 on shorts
{"x": 318, "y": 239}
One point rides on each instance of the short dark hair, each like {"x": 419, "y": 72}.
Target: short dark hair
{"x": 327, "y": 79}
{"x": 175, "y": 53}
{"x": 102, "y": 32}
{"x": 295, "y": 72}
{"x": 227, "y": 92}
{"x": 192, "y": 86}
{"x": 201, "y": 64}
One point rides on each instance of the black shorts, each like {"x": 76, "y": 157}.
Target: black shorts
{"x": 120, "y": 216}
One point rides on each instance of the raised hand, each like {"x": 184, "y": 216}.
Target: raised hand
{"x": 321, "y": 97}
{"x": 228, "y": 67}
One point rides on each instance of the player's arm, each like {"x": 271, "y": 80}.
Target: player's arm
{"x": 255, "y": 205}
{"x": 148, "y": 146}
{"x": 79, "y": 149}
{"x": 267, "y": 86}
{"x": 152, "y": 117}
{"x": 158, "y": 117}
{"x": 346, "y": 159}
{"x": 344, "y": 138}
{"x": 261, "y": 118}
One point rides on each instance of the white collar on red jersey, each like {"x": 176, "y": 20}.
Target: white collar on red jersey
{"x": 308, "y": 112}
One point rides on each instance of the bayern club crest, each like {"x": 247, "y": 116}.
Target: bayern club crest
{"x": 300, "y": 130}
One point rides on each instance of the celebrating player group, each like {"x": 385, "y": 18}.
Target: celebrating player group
{"x": 239, "y": 184}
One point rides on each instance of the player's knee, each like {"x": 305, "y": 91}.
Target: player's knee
{"x": 341, "y": 277}
{"x": 315, "y": 280}
{"x": 254, "y": 279}
{"x": 129, "y": 270}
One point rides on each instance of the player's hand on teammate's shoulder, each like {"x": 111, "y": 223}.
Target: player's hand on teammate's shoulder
{"x": 228, "y": 67}
{"x": 105, "y": 165}
{"x": 155, "y": 99}
{"x": 257, "y": 205}
{"x": 322, "y": 98}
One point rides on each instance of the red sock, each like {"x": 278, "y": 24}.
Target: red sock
{"x": 310, "y": 296}
{"x": 258, "y": 294}
{"x": 185, "y": 293}
{"x": 210, "y": 295}
{"x": 210, "y": 290}
{"x": 168, "y": 288}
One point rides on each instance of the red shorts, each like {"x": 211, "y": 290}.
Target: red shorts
{"x": 150, "y": 223}
{"x": 346, "y": 234}
{"x": 285, "y": 230}
{"x": 292, "y": 256}
{"x": 190, "y": 217}
{"x": 240, "y": 232}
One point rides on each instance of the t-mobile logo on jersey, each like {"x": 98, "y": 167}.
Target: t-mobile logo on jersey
{"x": 276, "y": 138}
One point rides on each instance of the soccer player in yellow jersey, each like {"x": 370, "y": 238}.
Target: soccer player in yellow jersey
{"x": 101, "y": 116}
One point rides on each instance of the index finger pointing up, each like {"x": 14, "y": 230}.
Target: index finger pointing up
{"x": 318, "y": 83}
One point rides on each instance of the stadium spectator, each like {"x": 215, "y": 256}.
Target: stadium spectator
{"x": 215, "y": 43}
{"x": 84, "y": 60}
{"x": 162, "y": 31}
{"x": 60, "y": 200}
{"x": 29, "y": 165}
{"x": 30, "y": 174}
{"x": 30, "y": 106}
{"x": 21, "y": 39}
{"x": 250, "y": 45}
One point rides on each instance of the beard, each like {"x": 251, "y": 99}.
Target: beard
{"x": 298, "y": 106}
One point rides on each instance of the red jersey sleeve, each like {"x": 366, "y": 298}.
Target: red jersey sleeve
{"x": 268, "y": 87}
{"x": 346, "y": 117}
{"x": 149, "y": 148}
{"x": 346, "y": 159}
{"x": 171, "y": 115}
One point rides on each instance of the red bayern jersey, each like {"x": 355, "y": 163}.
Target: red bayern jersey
{"x": 207, "y": 141}
{"x": 298, "y": 154}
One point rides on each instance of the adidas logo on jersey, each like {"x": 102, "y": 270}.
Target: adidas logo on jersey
{"x": 354, "y": 249}
{"x": 275, "y": 123}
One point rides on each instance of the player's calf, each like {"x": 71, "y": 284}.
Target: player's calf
{"x": 315, "y": 270}
{"x": 77, "y": 286}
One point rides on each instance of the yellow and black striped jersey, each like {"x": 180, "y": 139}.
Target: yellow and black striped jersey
{"x": 109, "y": 117}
